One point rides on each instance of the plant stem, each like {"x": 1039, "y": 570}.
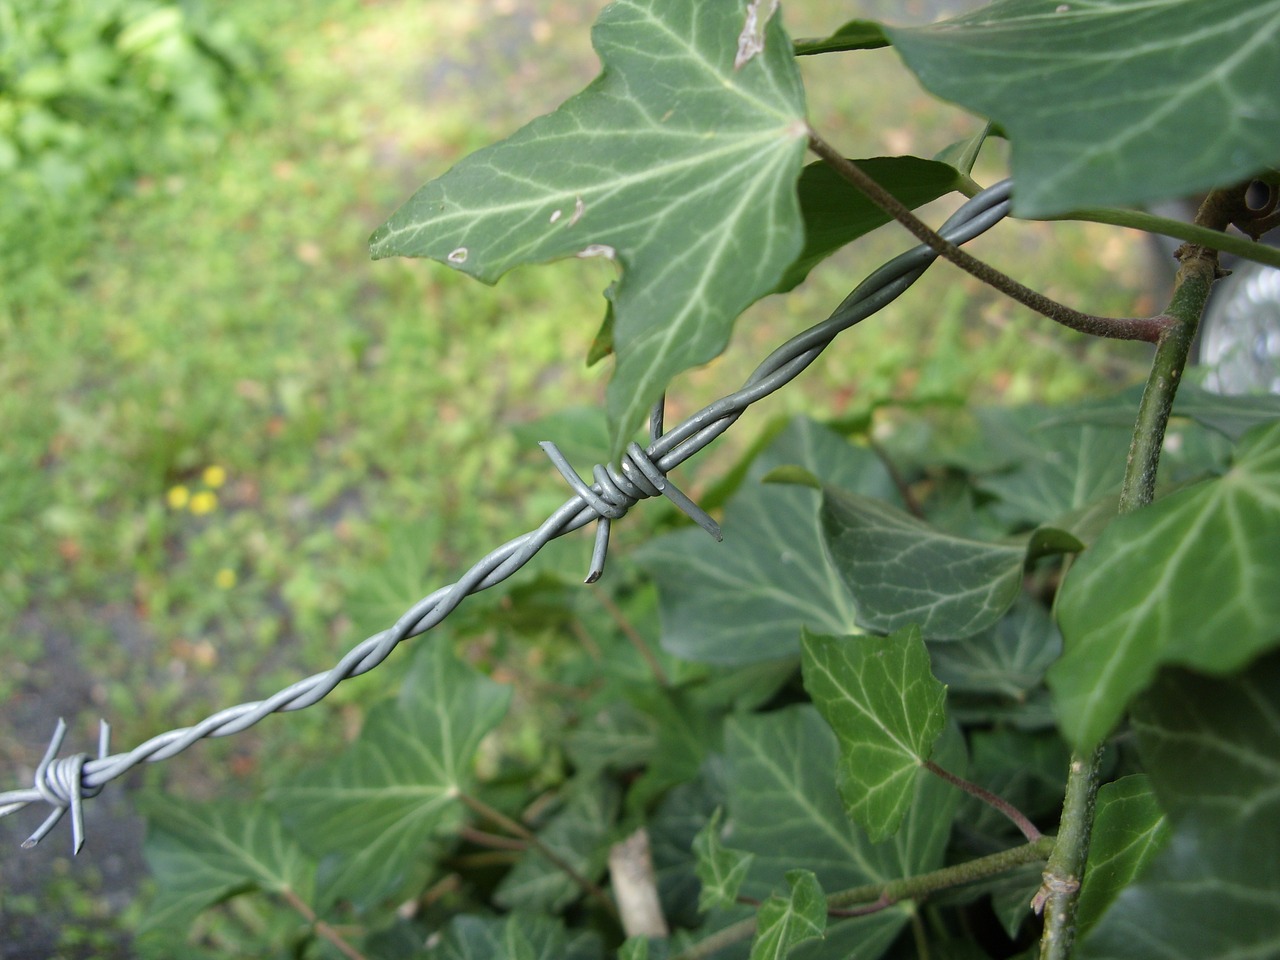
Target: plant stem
{"x": 1198, "y": 268}
{"x": 480, "y": 808}
{"x": 884, "y": 895}
{"x": 895, "y": 475}
{"x": 990, "y": 799}
{"x": 491, "y": 840}
{"x": 1060, "y": 891}
{"x": 635, "y": 636}
{"x": 1195, "y": 277}
{"x": 1191, "y": 232}
{"x": 913, "y": 888}
{"x": 321, "y": 928}
{"x": 1147, "y": 329}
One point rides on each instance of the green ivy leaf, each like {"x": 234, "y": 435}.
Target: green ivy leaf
{"x": 579, "y": 835}
{"x": 636, "y": 948}
{"x": 786, "y": 922}
{"x": 202, "y": 854}
{"x": 720, "y": 869}
{"x": 1232, "y": 416}
{"x": 836, "y": 213}
{"x": 397, "y": 786}
{"x": 787, "y": 811}
{"x": 673, "y": 148}
{"x": 745, "y": 600}
{"x": 903, "y": 571}
{"x": 1007, "y": 660}
{"x": 854, "y": 35}
{"x": 1190, "y": 580}
{"x": 1112, "y": 101}
{"x": 520, "y": 936}
{"x": 673, "y": 827}
{"x": 1129, "y": 829}
{"x": 1212, "y": 750}
{"x": 886, "y": 710}
{"x": 1069, "y": 468}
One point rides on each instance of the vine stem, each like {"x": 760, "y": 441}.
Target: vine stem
{"x": 992, "y": 800}
{"x": 320, "y": 927}
{"x": 883, "y": 895}
{"x": 1190, "y": 232}
{"x": 635, "y": 636}
{"x": 1146, "y": 329}
{"x": 1059, "y": 895}
{"x": 514, "y": 827}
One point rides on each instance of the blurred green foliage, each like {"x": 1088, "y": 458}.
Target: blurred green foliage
{"x": 93, "y": 92}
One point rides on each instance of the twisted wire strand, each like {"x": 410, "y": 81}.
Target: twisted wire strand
{"x": 641, "y": 473}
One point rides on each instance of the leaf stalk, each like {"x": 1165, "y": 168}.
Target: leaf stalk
{"x": 1146, "y": 329}
{"x": 998, "y": 803}
{"x": 497, "y": 817}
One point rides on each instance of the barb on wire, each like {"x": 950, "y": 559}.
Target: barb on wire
{"x": 66, "y": 783}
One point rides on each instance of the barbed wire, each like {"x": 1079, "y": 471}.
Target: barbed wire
{"x": 65, "y": 783}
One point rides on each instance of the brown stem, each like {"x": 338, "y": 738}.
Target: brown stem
{"x": 1147, "y": 329}
{"x": 635, "y": 636}
{"x": 483, "y": 839}
{"x": 884, "y": 903}
{"x": 895, "y": 475}
{"x": 990, "y": 799}
{"x": 482, "y": 809}
{"x": 319, "y": 926}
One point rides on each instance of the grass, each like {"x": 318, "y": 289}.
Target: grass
{"x": 235, "y": 446}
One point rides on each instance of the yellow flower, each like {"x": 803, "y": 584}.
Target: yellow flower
{"x": 214, "y": 476}
{"x": 206, "y": 501}
{"x": 178, "y": 497}
{"x": 225, "y": 578}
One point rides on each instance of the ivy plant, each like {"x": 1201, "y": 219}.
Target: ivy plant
{"x": 987, "y": 684}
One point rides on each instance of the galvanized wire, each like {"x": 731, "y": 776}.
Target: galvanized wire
{"x": 64, "y": 783}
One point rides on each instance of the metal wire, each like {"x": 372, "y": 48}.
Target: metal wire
{"x": 65, "y": 783}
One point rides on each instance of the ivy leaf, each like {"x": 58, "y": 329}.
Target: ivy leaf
{"x": 1112, "y": 101}
{"x": 1212, "y": 750}
{"x": 720, "y": 869}
{"x": 1007, "y": 660}
{"x": 397, "y": 786}
{"x": 745, "y": 600}
{"x": 903, "y": 571}
{"x": 1189, "y": 580}
{"x": 1072, "y": 466}
{"x": 886, "y": 710}
{"x": 202, "y": 854}
{"x": 520, "y": 936}
{"x": 1232, "y": 416}
{"x": 578, "y": 834}
{"x": 1129, "y": 830}
{"x": 673, "y": 826}
{"x": 640, "y": 948}
{"x": 786, "y": 922}
{"x": 837, "y": 213}
{"x": 787, "y": 811}
{"x": 673, "y": 163}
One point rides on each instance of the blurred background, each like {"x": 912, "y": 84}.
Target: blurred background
{"x": 231, "y": 446}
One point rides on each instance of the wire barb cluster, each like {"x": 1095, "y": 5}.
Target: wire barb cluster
{"x": 65, "y": 783}
{"x": 618, "y": 489}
